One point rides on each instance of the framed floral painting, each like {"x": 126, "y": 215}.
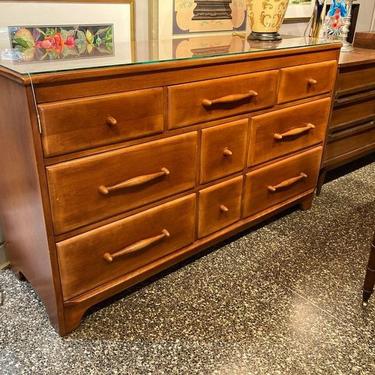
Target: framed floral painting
{"x": 65, "y": 30}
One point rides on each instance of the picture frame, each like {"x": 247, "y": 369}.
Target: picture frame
{"x": 67, "y": 29}
{"x": 299, "y": 11}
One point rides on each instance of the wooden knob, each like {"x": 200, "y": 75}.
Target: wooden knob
{"x": 224, "y": 208}
{"x": 227, "y": 152}
{"x": 111, "y": 121}
{"x": 312, "y": 81}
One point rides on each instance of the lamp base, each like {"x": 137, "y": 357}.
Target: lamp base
{"x": 264, "y": 36}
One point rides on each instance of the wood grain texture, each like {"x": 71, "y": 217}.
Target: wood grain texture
{"x": 81, "y": 261}
{"x": 265, "y": 146}
{"x": 187, "y": 102}
{"x": 219, "y": 206}
{"x": 223, "y": 150}
{"x": 78, "y": 124}
{"x": 306, "y": 80}
{"x": 258, "y": 197}
{"x": 76, "y": 199}
{"x": 23, "y": 220}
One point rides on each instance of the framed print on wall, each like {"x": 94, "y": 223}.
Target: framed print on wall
{"x": 66, "y": 29}
{"x": 182, "y": 18}
{"x": 299, "y": 11}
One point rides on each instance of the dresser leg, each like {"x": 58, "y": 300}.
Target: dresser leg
{"x": 321, "y": 180}
{"x": 72, "y": 318}
{"x": 19, "y": 275}
{"x": 307, "y": 202}
{"x": 368, "y": 286}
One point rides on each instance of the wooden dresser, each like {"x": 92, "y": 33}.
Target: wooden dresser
{"x": 114, "y": 174}
{"x": 352, "y": 128}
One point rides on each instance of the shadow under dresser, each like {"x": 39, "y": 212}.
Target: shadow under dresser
{"x": 114, "y": 173}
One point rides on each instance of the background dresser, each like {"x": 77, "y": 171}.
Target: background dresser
{"x": 352, "y": 127}
{"x": 117, "y": 173}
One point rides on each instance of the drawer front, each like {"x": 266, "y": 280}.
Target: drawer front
{"x": 208, "y": 100}
{"x": 79, "y": 124}
{"x": 223, "y": 150}
{"x": 219, "y": 206}
{"x": 352, "y": 112}
{"x": 307, "y": 80}
{"x": 87, "y": 190}
{"x": 355, "y": 80}
{"x": 348, "y": 142}
{"x": 280, "y": 181}
{"x": 281, "y": 132}
{"x": 103, "y": 254}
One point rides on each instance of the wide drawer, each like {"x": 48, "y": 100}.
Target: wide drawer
{"x": 78, "y": 124}
{"x": 219, "y": 206}
{"x": 86, "y": 190}
{"x": 351, "y": 141}
{"x": 280, "y": 181}
{"x": 355, "y": 80}
{"x": 281, "y": 132}
{"x": 217, "y": 98}
{"x": 352, "y": 112}
{"x": 103, "y": 254}
{"x": 307, "y": 80}
{"x": 223, "y": 150}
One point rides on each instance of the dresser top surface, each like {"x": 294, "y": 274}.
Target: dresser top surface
{"x": 31, "y": 61}
{"x": 359, "y": 56}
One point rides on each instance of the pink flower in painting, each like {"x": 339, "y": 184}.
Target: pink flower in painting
{"x": 70, "y": 42}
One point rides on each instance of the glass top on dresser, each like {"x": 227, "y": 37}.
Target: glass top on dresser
{"x": 38, "y": 59}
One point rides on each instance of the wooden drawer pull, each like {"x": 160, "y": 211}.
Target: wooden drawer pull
{"x": 312, "y": 81}
{"x": 287, "y": 183}
{"x": 230, "y": 99}
{"x": 293, "y": 132}
{"x": 224, "y": 208}
{"x": 111, "y": 121}
{"x": 136, "y": 181}
{"x": 137, "y": 246}
{"x": 227, "y": 152}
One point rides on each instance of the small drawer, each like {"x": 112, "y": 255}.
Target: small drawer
{"x": 223, "y": 150}
{"x": 355, "y": 80}
{"x": 191, "y": 103}
{"x": 89, "y": 189}
{"x": 307, "y": 80}
{"x": 78, "y": 124}
{"x": 281, "y": 181}
{"x": 121, "y": 247}
{"x": 219, "y": 206}
{"x": 281, "y": 132}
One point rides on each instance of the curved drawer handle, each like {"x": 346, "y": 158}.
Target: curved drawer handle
{"x": 312, "y": 81}
{"x": 137, "y": 246}
{"x": 111, "y": 121}
{"x": 293, "y": 132}
{"x": 230, "y": 99}
{"x": 287, "y": 183}
{"x": 136, "y": 181}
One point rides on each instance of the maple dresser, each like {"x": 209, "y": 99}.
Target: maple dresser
{"x": 114, "y": 173}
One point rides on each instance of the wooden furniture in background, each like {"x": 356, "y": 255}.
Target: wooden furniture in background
{"x": 365, "y": 40}
{"x": 351, "y": 133}
{"x": 135, "y": 168}
{"x": 368, "y": 286}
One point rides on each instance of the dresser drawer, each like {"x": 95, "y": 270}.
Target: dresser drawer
{"x": 356, "y": 111}
{"x": 219, "y": 206}
{"x": 280, "y": 181}
{"x": 307, "y": 80}
{"x": 79, "y": 124}
{"x": 217, "y": 98}
{"x": 86, "y": 190}
{"x": 223, "y": 150}
{"x": 281, "y": 132}
{"x": 103, "y": 254}
{"x": 355, "y": 80}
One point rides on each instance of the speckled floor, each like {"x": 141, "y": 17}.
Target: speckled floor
{"x": 283, "y": 299}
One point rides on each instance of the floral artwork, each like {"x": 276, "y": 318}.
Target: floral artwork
{"x": 42, "y": 43}
{"x": 335, "y": 18}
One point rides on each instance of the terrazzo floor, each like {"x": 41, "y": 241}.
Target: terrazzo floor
{"x": 282, "y": 299}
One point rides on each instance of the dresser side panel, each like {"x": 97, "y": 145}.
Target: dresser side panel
{"x": 21, "y": 204}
